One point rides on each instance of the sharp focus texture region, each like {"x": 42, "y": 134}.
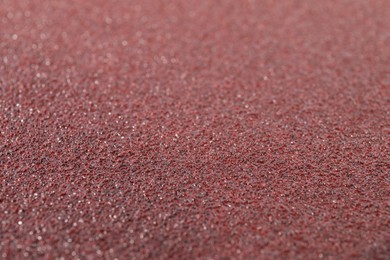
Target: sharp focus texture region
{"x": 194, "y": 129}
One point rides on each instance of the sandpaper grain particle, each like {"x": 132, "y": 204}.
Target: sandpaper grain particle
{"x": 194, "y": 129}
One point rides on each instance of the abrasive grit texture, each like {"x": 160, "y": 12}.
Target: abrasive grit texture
{"x": 194, "y": 129}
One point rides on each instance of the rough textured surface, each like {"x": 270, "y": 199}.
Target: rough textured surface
{"x": 184, "y": 129}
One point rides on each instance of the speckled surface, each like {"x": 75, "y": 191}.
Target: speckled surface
{"x": 194, "y": 129}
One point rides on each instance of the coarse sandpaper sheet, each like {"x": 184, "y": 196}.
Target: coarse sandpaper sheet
{"x": 194, "y": 129}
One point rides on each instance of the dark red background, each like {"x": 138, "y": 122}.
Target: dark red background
{"x": 183, "y": 129}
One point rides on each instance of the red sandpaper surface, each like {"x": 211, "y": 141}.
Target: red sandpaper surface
{"x": 194, "y": 129}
